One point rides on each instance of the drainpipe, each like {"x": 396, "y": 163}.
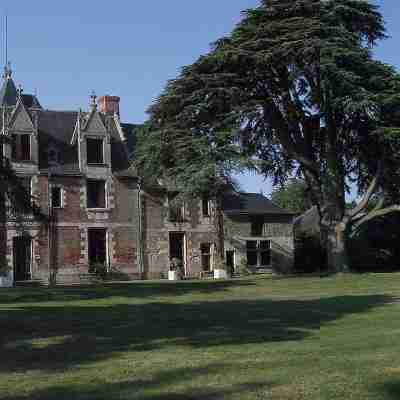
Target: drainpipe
{"x": 51, "y": 226}
{"x": 140, "y": 230}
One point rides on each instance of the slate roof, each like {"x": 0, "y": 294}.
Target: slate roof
{"x": 58, "y": 125}
{"x": 56, "y": 128}
{"x": 250, "y": 203}
{"x": 130, "y": 133}
{"x": 30, "y": 101}
{"x": 8, "y": 93}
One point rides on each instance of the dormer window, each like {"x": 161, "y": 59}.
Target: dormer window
{"x": 21, "y": 147}
{"x": 95, "y": 151}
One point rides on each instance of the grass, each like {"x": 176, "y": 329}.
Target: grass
{"x": 256, "y": 338}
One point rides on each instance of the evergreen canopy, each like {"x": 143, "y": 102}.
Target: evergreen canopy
{"x": 293, "y": 90}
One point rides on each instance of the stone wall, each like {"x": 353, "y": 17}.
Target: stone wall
{"x": 278, "y": 229}
{"x": 157, "y": 228}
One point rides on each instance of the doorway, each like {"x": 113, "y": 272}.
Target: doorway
{"x": 230, "y": 261}
{"x": 177, "y": 248}
{"x": 97, "y": 246}
{"x": 22, "y": 255}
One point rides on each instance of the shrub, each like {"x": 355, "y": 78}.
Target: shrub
{"x": 310, "y": 255}
{"x": 244, "y": 268}
{"x": 4, "y": 270}
{"x": 98, "y": 269}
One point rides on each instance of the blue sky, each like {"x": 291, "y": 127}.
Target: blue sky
{"x": 64, "y": 50}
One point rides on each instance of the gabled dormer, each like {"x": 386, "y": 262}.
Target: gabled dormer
{"x": 94, "y": 142}
{"x": 23, "y": 136}
{"x": 18, "y": 125}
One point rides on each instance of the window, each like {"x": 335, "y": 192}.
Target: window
{"x": 21, "y": 147}
{"x": 252, "y": 256}
{"x": 95, "y": 153}
{"x": 265, "y": 253}
{"x": 205, "y": 249}
{"x": 258, "y": 253}
{"x": 56, "y": 197}
{"x": 205, "y": 203}
{"x": 257, "y": 226}
{"x": 24, "y": 195}
{"x": 176, "y": 209}
{"x": 96, "y": 194}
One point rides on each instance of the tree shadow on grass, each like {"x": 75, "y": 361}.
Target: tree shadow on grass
{"x": 140, "y": 290}
{"x": 391, "y": 389}
{"x": 157, "y": 388}
{"x": 54, "y": 337}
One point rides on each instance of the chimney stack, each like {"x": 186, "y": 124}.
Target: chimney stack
{"x": 109, "y": 105}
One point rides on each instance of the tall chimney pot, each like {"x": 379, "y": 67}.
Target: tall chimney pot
{"x": 109, "y": 105}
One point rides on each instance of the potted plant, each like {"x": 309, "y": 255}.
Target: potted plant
{"x": 175, "y": 267}
{"x": 6, "y": 279}
{"x": 220, "y": 270}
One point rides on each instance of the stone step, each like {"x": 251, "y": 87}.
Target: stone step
{"x": 30, "y": 283}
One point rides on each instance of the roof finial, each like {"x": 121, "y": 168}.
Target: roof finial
{"x": 20, "y": 90}
{"x": 93, "y": 98}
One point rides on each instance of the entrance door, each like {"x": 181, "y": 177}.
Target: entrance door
{"x": 177, "y": 247}
{"x": 22, "y": 253}
{"x": 230, "y": 260}
{"x": 97, "y": 239}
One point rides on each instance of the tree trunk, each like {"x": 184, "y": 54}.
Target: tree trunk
{"x": 336, "y": 239}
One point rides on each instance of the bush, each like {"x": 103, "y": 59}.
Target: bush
{"x": 244, "y": 268}
{"x": 5, "y": 270}
{"x": 98, "y": 269}
{"x": 310, "y": 256}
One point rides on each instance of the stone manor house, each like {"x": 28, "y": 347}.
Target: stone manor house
{"x": 75, "y": 165}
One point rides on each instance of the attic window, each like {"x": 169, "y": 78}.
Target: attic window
{"x": 96, "y": 194}
{"x": 176, "y": 209}
{"x": 95, "y": 152}
{"x": 205, "y": 205}
{"x": 257, "y": 226}
{"x": 21, "y": 148}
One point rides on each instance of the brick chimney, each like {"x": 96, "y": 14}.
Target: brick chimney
{"x": 109, "y": 105}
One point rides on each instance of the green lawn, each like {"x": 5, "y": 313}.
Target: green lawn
{"x": 261, "y": 338}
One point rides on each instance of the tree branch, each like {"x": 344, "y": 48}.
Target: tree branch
{"x": 367, "y": 197}
{"x": 378, "y": 213}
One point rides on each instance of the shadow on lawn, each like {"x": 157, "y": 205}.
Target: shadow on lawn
{"x": 157, "y": 388}
{"x": 141, "y": 290}
{"x": 392, "y": 389}
{"x": 55, "y": 336}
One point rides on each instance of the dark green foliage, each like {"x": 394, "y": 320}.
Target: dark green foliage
{"x": 375, "y": 245}
{"x": 294, "y": 90}
{"x": 310, "y": 255}
{"x": 293, "y": 196}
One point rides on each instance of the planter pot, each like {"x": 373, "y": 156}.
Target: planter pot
{"x": 6, "y": 281}
{"x": 220, "y": 274}
{"x": 173, "y": 275}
